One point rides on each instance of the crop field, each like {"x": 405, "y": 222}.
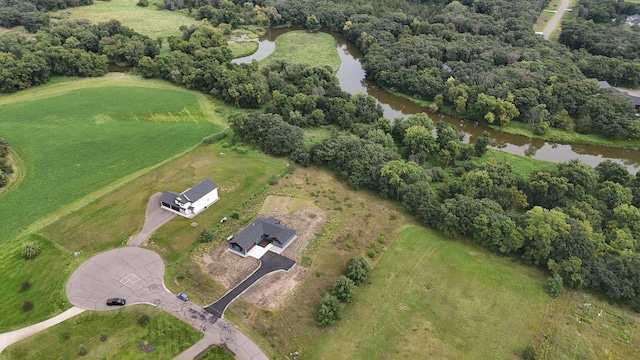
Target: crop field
{"x": 294, "y": 47}
{"x": 87, "y": 137}
{"x": 146, "y": 20}
{"x": 114, "y": 334}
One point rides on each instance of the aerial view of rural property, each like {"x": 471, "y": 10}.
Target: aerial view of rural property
{"x": 319, "y": 179}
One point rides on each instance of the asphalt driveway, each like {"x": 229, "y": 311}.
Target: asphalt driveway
{"x": 269, "y": 262}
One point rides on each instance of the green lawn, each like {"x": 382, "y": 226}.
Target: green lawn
{"x": 146, "y": 20}
{"x": 47, "y": 291}
{"x": 522, "y": 165}
{"x": 216, "y": 353}
{"x": 84, "y": 139}
{"x": 169, "y": 335}
{"x": 294, "y": 47}
{"x": 243, "y": 48}
{"x": 433, "y": 298}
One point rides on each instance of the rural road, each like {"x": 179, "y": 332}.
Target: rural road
{"x": 553, "y": 23}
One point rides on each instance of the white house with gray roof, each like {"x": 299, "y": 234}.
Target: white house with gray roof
{"x": 192, "y": 201}
{"x": 262, "y": 233}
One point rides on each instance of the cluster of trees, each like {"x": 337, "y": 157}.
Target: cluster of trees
{"x": 342, "y": 291}
{"x": 32, "y": 14}
{"x": 72, "y": 48}
{"x": 5, "y": 167}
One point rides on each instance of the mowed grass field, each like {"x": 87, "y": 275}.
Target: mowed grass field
{"x": 433, "y": 298}
{"x": 167, "y": 334}
{"x": 46, "y": 275}
{"x": 146, "y": 20}
{"x": 294, "y": 46}
{"x": 81, "y": 140}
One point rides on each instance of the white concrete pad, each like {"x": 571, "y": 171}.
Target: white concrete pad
{"x": 259, "y": 251}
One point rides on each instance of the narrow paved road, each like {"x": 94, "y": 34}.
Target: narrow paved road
{"x": 555, "y": 20}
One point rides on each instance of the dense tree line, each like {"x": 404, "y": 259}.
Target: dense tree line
{"x": 32, "y": 14}
{"x": 5, "y": 168}
{"x": 72, "y": 48}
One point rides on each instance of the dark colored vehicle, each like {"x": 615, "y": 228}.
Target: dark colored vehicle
{"x": 116, "y": 301}
{"x": 183, "y": 296}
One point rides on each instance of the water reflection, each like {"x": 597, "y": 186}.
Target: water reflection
{"x": 353, "y": 80}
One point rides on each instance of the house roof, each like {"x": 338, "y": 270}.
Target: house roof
{"x": 269, "y": 227}
{"x": 199, "y": 191}
{"x": 633, "y": 19}
{"x": 603, "y": 84}
{"x": 168, "y": 197}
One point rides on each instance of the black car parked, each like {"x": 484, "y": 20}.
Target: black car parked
{"x": 116, "y": 301}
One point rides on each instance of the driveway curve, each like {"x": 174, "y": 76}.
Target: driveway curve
{"x": 154, "y": 218}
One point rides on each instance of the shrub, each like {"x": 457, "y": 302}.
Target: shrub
{"x": 273, "y": 180}
{"x": 211, "y": 139}
{"x": 25, "y": 286}
{"x": 82, "y": 350}
{"x": 143, "y": 3}
{"x": 529, "y": 353}
{"x": 205, "y": 236}
{"x": 357, "y": 270}
{"x": 103, "y": 336}
{"x": 65, "y": 335}
{"x": 144, "y": 320}
{"x": 30, "y": 250}
{"x": 329, "y": 312}
{"x": 554, "y": 286}
{"x": 343, "y": 289}
{"x": 306, "y": 261}
{"x": 235, "y": 215}
{"x": 27, "y": 306}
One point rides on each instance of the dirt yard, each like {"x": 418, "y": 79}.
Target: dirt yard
{"x": 230, "y": 269}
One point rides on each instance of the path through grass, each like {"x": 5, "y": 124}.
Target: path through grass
{"x": 168, "y": 335}
{"x": 294, "y": 46}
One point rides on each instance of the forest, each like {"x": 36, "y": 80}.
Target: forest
{"x": 477, "y": 59}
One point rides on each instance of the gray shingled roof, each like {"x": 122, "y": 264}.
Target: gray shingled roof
{"x": 603, "y": 84}
{"x": 197, "y": 192}
{"x": 269, "y": 227}
{"x": 168, "y": 197}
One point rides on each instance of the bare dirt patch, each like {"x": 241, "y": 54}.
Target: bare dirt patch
{"x": 229, "y": 269}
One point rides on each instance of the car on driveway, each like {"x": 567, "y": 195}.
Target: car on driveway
{"x": 183, "y": 296}
{"x": 116, "y": 302}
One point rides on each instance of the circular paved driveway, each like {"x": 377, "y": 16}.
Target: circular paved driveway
{"x": 131, "y": 273}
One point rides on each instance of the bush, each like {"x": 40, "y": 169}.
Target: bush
{"x": 30, "y": 250}
{"x": 65, "y": 335}
{"x": 554, "y": 286}
{"x": 329, "y": 312}
{"x": 529, "y": 353}
{"x": 205, "y": 236}
{"x": 103, "y": 336}
{"x": 343, "y": 289}
{"x": 357, "y": 270}
{"x": 273, "y": 180}
{"x": 27, "y": 306}
{"x": 235, "y": 215}
{"x": 213, "y": 138}
{"x": 143, "y": 3}
{"x": 25, "y": 286}
{"x": 144, "y": 320}
{"x": 82, "y": 350}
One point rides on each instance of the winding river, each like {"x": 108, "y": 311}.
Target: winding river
{"x": 352, "y": 80}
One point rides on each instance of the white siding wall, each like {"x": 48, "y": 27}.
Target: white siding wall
{"x": 205, "y": 201}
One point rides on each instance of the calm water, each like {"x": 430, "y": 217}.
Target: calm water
{"x": 352, "y": 80}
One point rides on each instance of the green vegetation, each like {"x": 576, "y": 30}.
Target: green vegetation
{"x": 216, "y": 353}
{"x": 87, "y": 137}
{"x": 522, "y": 165}
{"x": 45, "y": 289}
{"x": 542, "y": 21}
{"x": 294, "y": 47}
{"x": 163, "y": 338}
{"x": 146, "y": 20}
{"x": 242, "y": 48}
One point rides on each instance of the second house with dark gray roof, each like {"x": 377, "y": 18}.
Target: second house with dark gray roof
{"x": 192, "y": 201}
{"x": 265, "y": 233}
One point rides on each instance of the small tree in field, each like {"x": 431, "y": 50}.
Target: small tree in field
{"x": 329, "y": 312}
{"x": 343, "y": 289}
{"x": 27, "y": 306}
{"x": 82, "y": 350}
{"x": 205, "y": 236}
{"x": 30, "y": 250}
{"x": 357, "y": 270}
{"x": 25, "y": 286}
{"x": 554, "y": 286}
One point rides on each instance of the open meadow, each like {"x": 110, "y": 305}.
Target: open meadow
{"x": 146, "y": 20}
{"x": 294, "y": 46}
{"x": 114, "y": 334}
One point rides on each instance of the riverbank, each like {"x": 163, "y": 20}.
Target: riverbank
{"x": 522, "y": 129}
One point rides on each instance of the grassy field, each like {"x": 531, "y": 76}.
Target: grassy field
{"x": 522, "y": 165}
{"x": 243, "y": 48}
{"x": 294, "y": 46}
{"x": 75, "y": 140}
{"x": 146, "y": 20}
{"x": 216, "y": 353}
{"x": 46, "y": 291}
{"x": 167, "y": 334}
